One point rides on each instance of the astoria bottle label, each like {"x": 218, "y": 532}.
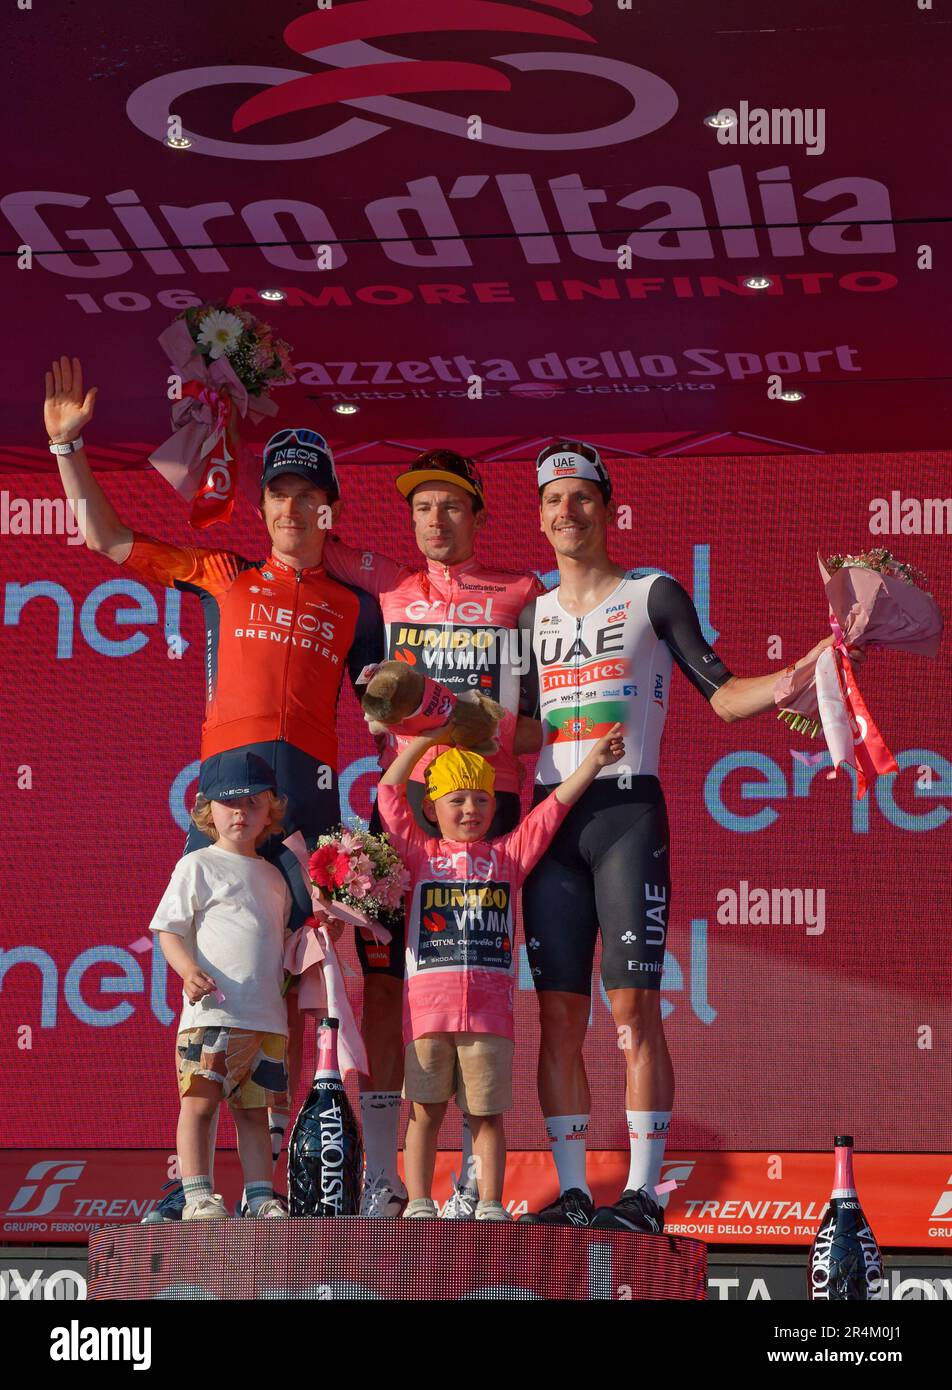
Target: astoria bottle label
{"x": 845, "y": 1262}
{"x": 325, "y": 1154}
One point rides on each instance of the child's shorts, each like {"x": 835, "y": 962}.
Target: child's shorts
{"x": 476, "y": 1066}
{"x": 249, "y": 1066}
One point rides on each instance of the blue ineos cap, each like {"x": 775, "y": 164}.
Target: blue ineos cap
{"x": 236, "y": 773}
{"x": 304, "y": 452}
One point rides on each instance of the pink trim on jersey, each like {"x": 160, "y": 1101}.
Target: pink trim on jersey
{"x": 461, "y": 998}
{"x": 467, "y": 595}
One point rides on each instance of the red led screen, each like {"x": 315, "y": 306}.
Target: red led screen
{"x": 782, "y": 1035}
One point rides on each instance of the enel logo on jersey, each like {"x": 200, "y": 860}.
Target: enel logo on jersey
{"x": 471, "y": 611}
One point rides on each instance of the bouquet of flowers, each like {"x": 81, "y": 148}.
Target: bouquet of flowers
{"x": 258, "y": 359}
{"x": 875, "y": 601}
{"x": 227, "y": 360}
{"x": 358, "y": 878}
{"x": 362, "y": 872}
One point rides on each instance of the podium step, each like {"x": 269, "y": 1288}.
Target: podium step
{"x": 354, "y": 1258}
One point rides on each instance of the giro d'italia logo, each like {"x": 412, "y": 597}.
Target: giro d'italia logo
{"x": 344, "y": 69}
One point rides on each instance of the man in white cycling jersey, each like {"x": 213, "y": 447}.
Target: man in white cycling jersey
{"x": 603, "y": 644}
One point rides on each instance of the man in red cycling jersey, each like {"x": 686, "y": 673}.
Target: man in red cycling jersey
{"x": 278, "y": 633}
{"x": 457, "y": 621}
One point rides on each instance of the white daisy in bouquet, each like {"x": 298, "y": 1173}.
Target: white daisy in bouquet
{"x": 227, "y": 362}
{"x": 220, "y": 333}
{"x": 248, "y": 344}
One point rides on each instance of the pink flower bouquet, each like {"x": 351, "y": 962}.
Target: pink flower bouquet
{"x": 875, "y": 601}
{"x": 228, "y": 360}
{"x": 357, "y": 878}
{"x": 360, "y": 872}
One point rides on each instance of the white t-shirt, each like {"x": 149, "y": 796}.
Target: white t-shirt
{"x": 232, "y": 912}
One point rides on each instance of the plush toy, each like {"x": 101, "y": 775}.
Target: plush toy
{"x": 403, "y": 701}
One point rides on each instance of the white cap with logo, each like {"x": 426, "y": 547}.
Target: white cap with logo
{"x": 570, "y": 458}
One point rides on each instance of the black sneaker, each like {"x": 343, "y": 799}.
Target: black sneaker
{"x": 169, "y": 1207}
{"x": 571, "y": 1208}
{"x": 635, "y": 1210}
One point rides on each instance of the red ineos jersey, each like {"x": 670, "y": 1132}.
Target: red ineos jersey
{"x": 458, "y": 624}
{"x": 276, "y": 641}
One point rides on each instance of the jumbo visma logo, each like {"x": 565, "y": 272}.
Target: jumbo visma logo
{"x": 364, "y": 77}
{"x": 465, "y": 924}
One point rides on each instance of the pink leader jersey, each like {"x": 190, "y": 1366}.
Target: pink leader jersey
{"x": 461, "y": 950}
{"x": 458, "y": 624}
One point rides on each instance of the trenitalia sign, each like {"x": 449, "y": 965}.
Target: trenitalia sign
{"x": 728, "y": 1198}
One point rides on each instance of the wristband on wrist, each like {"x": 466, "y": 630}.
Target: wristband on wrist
{"x": 72, "y": 446}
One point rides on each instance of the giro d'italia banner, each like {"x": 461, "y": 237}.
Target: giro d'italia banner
{"x": 806, "y": 985}
{"x": 527, "y": 193}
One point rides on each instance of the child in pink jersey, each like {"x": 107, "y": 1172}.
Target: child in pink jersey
{"x": 460, "y": 950}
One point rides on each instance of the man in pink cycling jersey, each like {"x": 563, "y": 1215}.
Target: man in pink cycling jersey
{"x": 457, "y": 621}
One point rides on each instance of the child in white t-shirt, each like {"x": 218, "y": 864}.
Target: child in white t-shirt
{"x": 222, "y": 924}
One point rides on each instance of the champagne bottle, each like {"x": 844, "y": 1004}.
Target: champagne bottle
{"x": 845, "y": 1262}
{"x": 325, "y": 1153}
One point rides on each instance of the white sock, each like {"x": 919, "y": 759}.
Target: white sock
{"x": 647, "y": 1134}
{"x": 197, "y": 1188}
{"x": 467, "y": 1165}
{"x": 380, "y": 1121}
{"x": 567, "y": 1142}
{"x": 256, "y": 1194}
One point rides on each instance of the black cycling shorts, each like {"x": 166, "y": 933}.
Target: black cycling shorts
{"x": 391, "y": 958}
{"x": 606, "y": 870}
{"x": 313, "y": 808}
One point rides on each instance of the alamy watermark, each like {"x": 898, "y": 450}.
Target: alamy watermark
{"x": 43, "y": 516}
{"x": 775, "y": 125}
{"x": 910, "y": 516}
{"x": 772, "y": 907}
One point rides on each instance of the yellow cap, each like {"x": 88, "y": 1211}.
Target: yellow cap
{"x": 458, "y": 770}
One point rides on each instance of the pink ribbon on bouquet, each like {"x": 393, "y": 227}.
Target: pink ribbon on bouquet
{"x": 851, "y": 735}
{"x": 310, "y": 953}
{"x": 870, "y": 609}
{"x": 201, "y": 456}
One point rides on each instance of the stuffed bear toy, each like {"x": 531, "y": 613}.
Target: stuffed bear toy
{"x": 403, "y": 701}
